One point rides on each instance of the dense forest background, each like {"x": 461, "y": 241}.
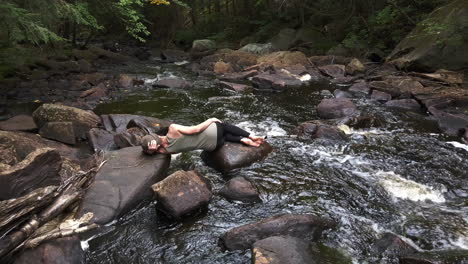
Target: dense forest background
{"x": 342, "y": 26}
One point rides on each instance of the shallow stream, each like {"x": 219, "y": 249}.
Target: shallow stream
{"x": 404, "y": 177}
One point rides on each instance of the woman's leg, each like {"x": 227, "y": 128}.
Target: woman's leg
{"x": 237, "y": 131}
{"x": 236, "y": 134}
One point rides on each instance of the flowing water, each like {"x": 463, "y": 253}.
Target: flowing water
{"x": 404, "y": 177}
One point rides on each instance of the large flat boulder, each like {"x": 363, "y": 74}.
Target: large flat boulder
{"x": 19, "y": 123}
{"x": 65, "y": 250}
{"x": 427, "y": 49}
{"x": 182, "y": 193}
{"x": 60, "y": 131}
{"x": 336, "y": 108}
{"x": 235, "y": 155}
{"x": 123, "y": 181}
{"x": 82, "y": 120}
{"x": 282, "y": 250}
{"x": 40, "y": 168}
{"x": 297, "y": 225}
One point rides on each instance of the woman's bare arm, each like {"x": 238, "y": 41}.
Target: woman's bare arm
{"x": 190, "y": 130}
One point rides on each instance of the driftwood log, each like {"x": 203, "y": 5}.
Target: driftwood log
{"x": 39, "y": 207}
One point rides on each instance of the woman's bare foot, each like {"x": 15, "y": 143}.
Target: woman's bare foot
{"x": 256, "y": 139}
{"x": 250, "y": 142}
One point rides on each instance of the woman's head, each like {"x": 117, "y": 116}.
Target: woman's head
{"x": 150, "y": 143}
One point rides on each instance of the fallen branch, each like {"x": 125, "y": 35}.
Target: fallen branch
{"x": 58, "y": 234}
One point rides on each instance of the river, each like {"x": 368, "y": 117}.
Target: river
{"x": 404, "y": 177}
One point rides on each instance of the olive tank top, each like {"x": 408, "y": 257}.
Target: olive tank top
{"x": 205, "y": 140}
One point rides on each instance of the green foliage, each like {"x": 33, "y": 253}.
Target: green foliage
{"x": 131, "y": 15}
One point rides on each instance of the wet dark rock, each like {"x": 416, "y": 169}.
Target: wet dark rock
{"x": 239, "y": 60}
{"x": 101, "y": 140}
{"x": 276, "y": 81}
{"x": 283, "y": 250}
{"x": 434, "y": 100}
{"x": 25, "y": 143}
{"x": 235, "y": 86}
{"x": 122, "y": 182}
{"x": 84, "y": 66}
{"x": 130, "y": 138}
{"x": 451, "y": 123}
{"x": 336, "y": 108}
{"x": 19, "y": 123}
{"x": 121, "y": 122}
{"x": 65, "y": 250}
{"x": 95, "y": 92}
{"x": 405, "y": 104}
{"x": 182, "y": 193}
{"x": 60, "y": 131}
{"x": 341, "y": 94}
{"x": 318, "y": 129}
{"x": 297, "y": 225}
{"x": 363, "y": 121}
{"x": 237, "y": 76}
{"x": 397, "y": 85}
{"x": 391, "y": 245}
{"x": 381, "y": 96}
{"x": 240, "y": 189}
{"x": 40, "y": 168}
{"x": 173, "y": 83}
{"x": 326, "y": 94}
{"x": 235, "y": 155}
{"x": 454, "y": 256}
{"x": 82, "y": 120}
{"x": 333, "y": 70}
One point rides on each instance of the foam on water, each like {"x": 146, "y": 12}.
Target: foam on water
{"x": 461, "y": 242}
{"x": 266, "y": 127}
{"x": 402, "y": 188}
{"x": 458, "y": 145}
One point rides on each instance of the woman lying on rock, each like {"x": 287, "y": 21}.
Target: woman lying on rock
{"x": 208, "y": 135}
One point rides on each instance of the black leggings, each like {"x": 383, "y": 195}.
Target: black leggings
{"x": 231, "y": 133}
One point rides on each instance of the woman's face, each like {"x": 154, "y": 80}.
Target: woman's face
{"x": 153, "y": 147}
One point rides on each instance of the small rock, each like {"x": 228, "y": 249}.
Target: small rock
{"x": 221, "y": 67}
{"x": 275, "y": 81}
{"x": 333, "y": 70}
{"x": 317, "y": 129}
{"x": 326, "y": 94}
{"x": 171, "y": 55}
{"x": 125, "y": 81}
{"x": 258, "y": 48}
{"x": 336, "y": 108}
{"x": 182, "y": 192}
{"x": 95, "y": 92}
{"x": 392, "y": 245}
{"x": 235, "y": 86}
{"x": 60, "y": 131}
{"x": 121, "y": 122}
{"x": 235, "y": 155}
{"x": 240, "y": 189}
{"x": 19, "y": 123}
{"x": 355, "y": 66}
{"x": 297, "y": 225}
{"x": 381, "y": 96}
{"x": 282, "y": 250}
{"x": 201, "y": 45}
{"x": 405, "y": 104}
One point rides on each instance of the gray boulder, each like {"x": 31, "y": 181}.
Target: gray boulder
{"x": 235, "y": 155}
{"x": 40, "y": 168}
{"x": 60, "y": 131}
{"x": 122, "y": 182}
{"x": 360, "y": 88}
{"x": 182, "y": 192}
{"x": 257, "y": 48}
{"x": 318, "y": 129}
{"x": 451, "y": 123}
{"x": 333, "y": 70}
{"x": 283, "y": 250}
{"x": 201, "y": 45}
{"x": 297, "y": 225}
{"x": 426, "y": 49}
{"x": 276, "y": 81}
{"x": 240, "y": 189}
{"x": 235, "y": 86}
{"x": 381, "y": 96}
{"x": 82, "y": 120}
{"x": 336, "y": 108}
{"x": 101, "y": 140}
{"x": 355, "y": 66}
{"x": 19, "y": 123}
{"x": 121, "y": 122}
{"x": 65, "y": 250}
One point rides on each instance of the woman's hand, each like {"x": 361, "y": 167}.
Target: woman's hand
{"x": 213, "y": 120}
